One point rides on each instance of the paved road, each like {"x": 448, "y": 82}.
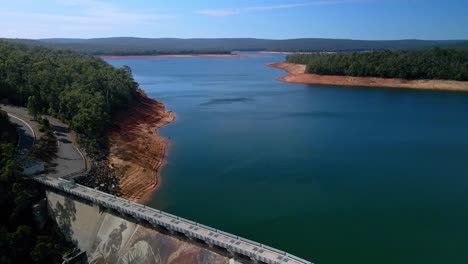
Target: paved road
{"x": 25, "y": 133}
{"x": 69, "y": 160}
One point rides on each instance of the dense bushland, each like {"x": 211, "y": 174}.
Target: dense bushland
{"x": 81, "y": 90}
{"x": 444, "y": 64}
{"x": 161, "y": 46}
{"x": 21, "y": 238}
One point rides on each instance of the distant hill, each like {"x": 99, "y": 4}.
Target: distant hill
{"x": 153, "y": 46}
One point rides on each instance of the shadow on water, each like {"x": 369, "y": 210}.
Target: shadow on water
{"x": 227, "y": 101}
{"x": 311, "y": 114}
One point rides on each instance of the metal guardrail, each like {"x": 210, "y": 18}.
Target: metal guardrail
{"x": 232, "y": 243}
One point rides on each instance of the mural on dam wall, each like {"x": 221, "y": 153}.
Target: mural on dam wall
{"x": 107, "y": 238}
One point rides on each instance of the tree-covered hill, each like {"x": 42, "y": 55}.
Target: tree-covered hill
{"x": 21, "y": 239}
{"x": 154, "y": 46}
{"x": 81, "y": 90}
{"x": 444, "y": 64}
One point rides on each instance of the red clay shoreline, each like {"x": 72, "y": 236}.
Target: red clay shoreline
{"x": 296, "y": 75}
{"x": 137, "y": 151}
{"x": 171, "y": 56}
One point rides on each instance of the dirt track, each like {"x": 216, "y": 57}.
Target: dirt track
{"x": 296, "y": 75}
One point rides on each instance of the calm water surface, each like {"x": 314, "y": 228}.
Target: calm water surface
{"x": 331, "y": 174}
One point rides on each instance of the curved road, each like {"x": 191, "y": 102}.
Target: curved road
{"x": 26, "y": 135}
{"x": 69, "y": 160}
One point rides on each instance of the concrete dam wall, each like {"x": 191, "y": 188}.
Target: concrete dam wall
{"x": 110, "y": 238}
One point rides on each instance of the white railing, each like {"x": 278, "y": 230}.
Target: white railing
{"x": 233, "y": 243}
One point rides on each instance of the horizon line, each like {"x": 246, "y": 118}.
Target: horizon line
{"x": 298, "y": 38}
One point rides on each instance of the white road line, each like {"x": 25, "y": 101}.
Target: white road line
{"x": 32, "y": 130}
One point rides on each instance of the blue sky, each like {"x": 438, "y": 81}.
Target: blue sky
{"x": 276, "y": 19}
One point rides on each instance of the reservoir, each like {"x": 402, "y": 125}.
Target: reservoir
{"x": 331, "y": 174}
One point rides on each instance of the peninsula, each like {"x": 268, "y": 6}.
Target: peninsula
{"x": 412, "y": 70}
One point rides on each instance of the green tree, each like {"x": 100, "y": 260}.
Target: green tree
{"x": 47, "y": 251}
{"x": 34, "y": 106}
{"x": 83, "y": 91}
{"x": 420, "y": 64}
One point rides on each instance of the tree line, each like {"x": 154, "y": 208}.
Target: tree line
{"x": 163, "y": 46}
{"x": 83, "y": 91}
{"x": 436, "y": 63}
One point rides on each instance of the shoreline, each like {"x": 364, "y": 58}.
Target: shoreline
{"x": 296, "y": 75}
{"x": 277, "y": 52}
{"x": 116, "y": 57}
{"x": 137, "y": 151}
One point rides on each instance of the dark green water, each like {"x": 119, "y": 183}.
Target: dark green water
{"x": 331, "y": 174}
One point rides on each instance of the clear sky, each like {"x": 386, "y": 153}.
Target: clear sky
{"x": 276, "y": 19}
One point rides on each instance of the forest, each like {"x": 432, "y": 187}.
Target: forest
{"x": 84, "y": 92}
{"x": 163, "y": 46}
{"x": 21, "y": 239}
{"x": 436, "y": 63}
{"x": 81, "y": 90}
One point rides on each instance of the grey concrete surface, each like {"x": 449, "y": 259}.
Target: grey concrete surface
{"x": 69, "y": 160}
{"x": 26, "y": 135}
{"x": 107, "y": 237}
{"x": 232, "y": 243}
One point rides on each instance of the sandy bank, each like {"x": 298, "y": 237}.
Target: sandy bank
{"x": 136, "y": 150}
{"x": 173, "y": 56}
{"x": 277, "y": 52}
{"x": 296, "y": 75}
{"x": 297, "y": 52}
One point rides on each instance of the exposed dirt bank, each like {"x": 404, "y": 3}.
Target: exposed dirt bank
{"x": 277, "y": 52}
{"x": 290, "y": 68}
{"x": 174, "y": 56}
{"x": 296, "y": 75}
{"x": 136, "y": 150}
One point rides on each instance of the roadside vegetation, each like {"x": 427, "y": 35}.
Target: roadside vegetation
{"x": 45, "y": 149}
{"x": 83, "y": 91}
{"x": 103, "y": 177}
{"x": 7, "y": 131}
{"x": 442, "y": 64}
{"x": 22, "y": 239}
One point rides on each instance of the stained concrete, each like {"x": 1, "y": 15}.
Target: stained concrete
{"x": 109, "y": 238}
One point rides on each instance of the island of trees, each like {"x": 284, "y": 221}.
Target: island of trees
{"x": 437, "y": 63}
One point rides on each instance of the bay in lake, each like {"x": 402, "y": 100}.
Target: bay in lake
{"x": 330, "y": 174}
